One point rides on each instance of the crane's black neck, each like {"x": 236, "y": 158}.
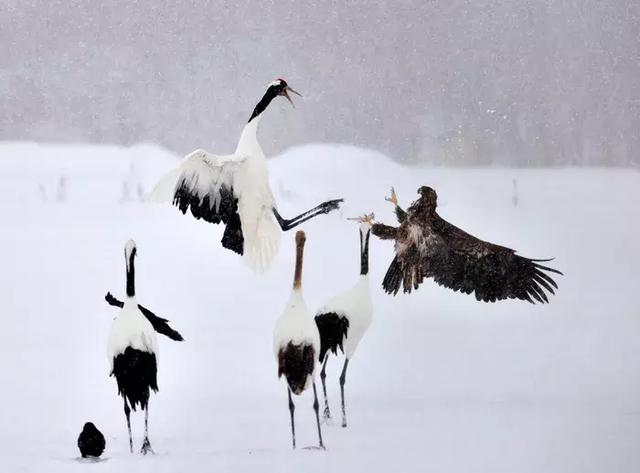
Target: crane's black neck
{"x": 269, "y": 95}
{"x": 364, "y": 252}
{"x": 131, "y": 288}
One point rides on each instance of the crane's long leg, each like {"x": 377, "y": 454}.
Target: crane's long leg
{"x": 323, "y": 208}
{"x": 315, "y": 408}
{"x": 323, "y": 375}
{"x": 292, "y": 408}
{"x": 343, "y": 378}
{"x": 127, "y": 413}
{"x": 146, "y": 445}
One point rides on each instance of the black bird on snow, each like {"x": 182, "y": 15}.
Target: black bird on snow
{"x": 91, "y": 441}
{"x": 132, "y": 350}
{"x": 427, "y": 246}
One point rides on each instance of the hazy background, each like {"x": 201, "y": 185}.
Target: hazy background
{"x": 442, "y": 82}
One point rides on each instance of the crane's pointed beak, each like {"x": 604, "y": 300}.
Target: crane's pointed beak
{"x": 286, "y": 94}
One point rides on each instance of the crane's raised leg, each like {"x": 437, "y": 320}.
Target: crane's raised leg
{"x": 326, "y": 414}
{"x": 323, "y": 208}
{"x": 315, "y": 408}
{"x": 292, "y": 408}
{"x": 146, "y": 445}
{"x": 343, "y": 378}
{"x": 127, "y": 413}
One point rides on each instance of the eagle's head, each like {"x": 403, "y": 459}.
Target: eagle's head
{"x": 428, "y": 195}
{"x": 426, "y": 203}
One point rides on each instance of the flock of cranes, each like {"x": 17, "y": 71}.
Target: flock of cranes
{"x": 234, "y": 190}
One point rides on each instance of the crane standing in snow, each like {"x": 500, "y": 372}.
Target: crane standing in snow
{"x": 234, "y": 190}
{"x": 296, "y": 343}
{"x": 132, "y": 350}
{"x": 343, "y": 320}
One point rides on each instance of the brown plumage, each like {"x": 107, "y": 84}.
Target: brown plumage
{"x": 296, "y": 363}
{"x": 427, "y": 246}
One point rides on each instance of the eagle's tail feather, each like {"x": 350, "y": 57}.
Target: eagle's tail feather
{"x": 393, "y": 279}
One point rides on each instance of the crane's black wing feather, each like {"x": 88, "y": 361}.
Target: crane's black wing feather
{"x": 203, "y": 185}
{"x": 159, "y": 324}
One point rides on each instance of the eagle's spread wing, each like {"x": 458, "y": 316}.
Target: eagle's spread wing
{"x": 204, "y": 184}
{"x": 401, "y": 214}
{"x": 462, "y": 262}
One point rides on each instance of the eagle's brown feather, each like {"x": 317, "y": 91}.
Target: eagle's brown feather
{"x": 427, "y": 246}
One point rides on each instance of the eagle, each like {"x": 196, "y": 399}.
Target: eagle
{"x": 427, "y": 246}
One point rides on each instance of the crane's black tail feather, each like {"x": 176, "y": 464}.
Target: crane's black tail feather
{"x": 333, "y": 330}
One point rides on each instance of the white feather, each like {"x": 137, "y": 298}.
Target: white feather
{"x": 354, "y": 304}
{"x": 203, "y": 173}
{"x": 245, "y": 172}
{"x": 131, "y": 328}
{"x": 296, "y": 325}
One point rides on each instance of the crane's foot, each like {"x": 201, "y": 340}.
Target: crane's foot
{"x": 319, "y": 447}
{"x": 146, "y": 447}
{"x": 331, "y": 205}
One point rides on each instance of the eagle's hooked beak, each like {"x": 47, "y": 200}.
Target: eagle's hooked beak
{"x": 286, "y": 91}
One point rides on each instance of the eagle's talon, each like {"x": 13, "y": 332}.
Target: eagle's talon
{"x": 393, "y": 198}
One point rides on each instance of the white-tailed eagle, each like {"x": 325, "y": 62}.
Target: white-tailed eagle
{"x": 427, "y": 246}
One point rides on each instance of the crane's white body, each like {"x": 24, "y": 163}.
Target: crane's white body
{"x": 355, "y": 305}
{"x": 244, "y": 171}
{"x": 256, "y": 202}
{"x": 296, "y": 325}
{"x": 131, "y": 328}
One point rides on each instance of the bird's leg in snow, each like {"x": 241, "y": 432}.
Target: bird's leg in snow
{"x": 343, "y": 378}
{"x": 323, "y": 208}
{"x": 323, "y": 375}
{"x": 146, "y": 445}
{"x": 292, "y": 408}
{"x": 315, "y": 408}
{"x": 127, "y": 413}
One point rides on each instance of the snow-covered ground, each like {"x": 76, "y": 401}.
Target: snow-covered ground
{"x": 441, "y": 383}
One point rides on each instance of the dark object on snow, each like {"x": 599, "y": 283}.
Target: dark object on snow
{"x": 91, "y": 441}
{"x": 160, "y": 325}
{"x": 427, "y": 246}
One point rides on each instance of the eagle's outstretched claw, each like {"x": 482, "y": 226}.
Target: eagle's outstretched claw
{"x": 393, "y": 198}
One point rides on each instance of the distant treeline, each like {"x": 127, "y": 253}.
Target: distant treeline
{"x": 445, "y": 82}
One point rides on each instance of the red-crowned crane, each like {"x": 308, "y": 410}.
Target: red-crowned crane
{"x": 132, "y": 350}
{"x": 343, "y": 321}
{"x": 296, "y": 343}
{"x": 234, "y": 189}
